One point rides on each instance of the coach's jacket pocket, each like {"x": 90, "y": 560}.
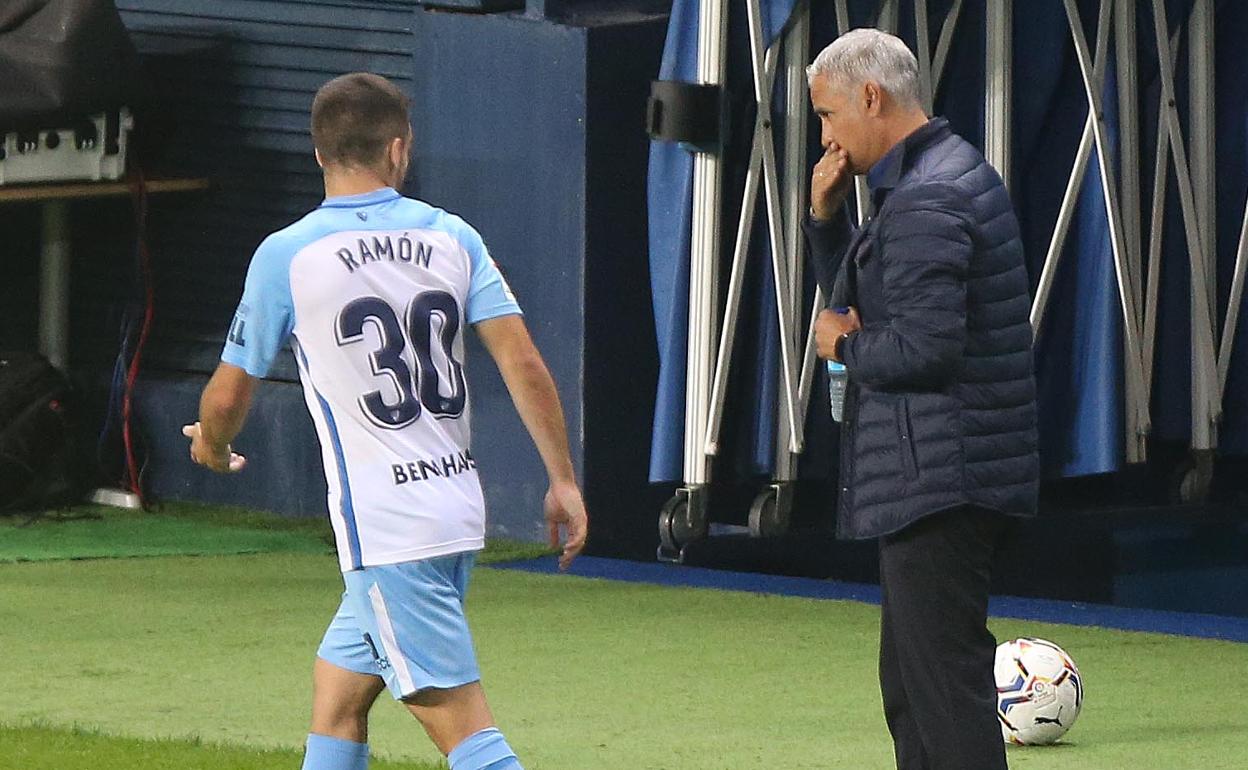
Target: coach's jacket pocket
{"x": 905, "y": 438}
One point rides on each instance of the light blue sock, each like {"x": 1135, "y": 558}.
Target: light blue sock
{"x": 485, "y": 750}
{"x": 326, "y": 753}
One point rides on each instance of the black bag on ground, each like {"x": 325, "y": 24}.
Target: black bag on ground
{"x": 36, "y": 461}
{"x": 62, "y": 60}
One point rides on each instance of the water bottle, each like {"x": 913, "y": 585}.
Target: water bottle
{"x": 838, "y": 378}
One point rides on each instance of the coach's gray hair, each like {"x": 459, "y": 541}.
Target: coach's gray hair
{"x": 862, "y": 55}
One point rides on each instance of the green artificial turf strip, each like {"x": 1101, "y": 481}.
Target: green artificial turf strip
{"x": 178, "y": 529}
{"x": 45, "y": 748}
{"x": 93, "y": 531}
{"x": 581, "y": 673}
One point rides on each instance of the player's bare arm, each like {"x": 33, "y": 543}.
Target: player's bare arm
{"x": 222, "y": 409}
{"x": 533, "y": 392}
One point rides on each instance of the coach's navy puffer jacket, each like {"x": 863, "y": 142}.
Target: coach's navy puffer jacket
{"x": 941, "y": 405}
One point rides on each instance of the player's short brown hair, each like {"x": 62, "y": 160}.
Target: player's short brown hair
{"x": 355, "y": 117}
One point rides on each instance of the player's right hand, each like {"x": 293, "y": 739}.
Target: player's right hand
{"x": 830, "y": 182}
{"x": 566, "y": 510}
{"x": 221, "y": 460}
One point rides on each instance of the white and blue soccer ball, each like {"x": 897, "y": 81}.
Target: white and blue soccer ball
{"x": 1039, "y": 691}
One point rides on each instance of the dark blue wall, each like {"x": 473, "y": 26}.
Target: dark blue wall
{"x": 532, "y": 130}
{"x": 233, "y": 82}
{"x": 540, "y": 143}
{"x": 501, "y": 139}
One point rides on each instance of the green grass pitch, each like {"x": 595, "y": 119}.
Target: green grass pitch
{"x": 204, "y": 661}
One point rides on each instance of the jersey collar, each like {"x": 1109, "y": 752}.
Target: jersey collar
{"x": 380, "y": 195}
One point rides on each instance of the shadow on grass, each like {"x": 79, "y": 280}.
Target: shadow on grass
{"x": 38, "y": 746}
{"x": 183, "y": 528}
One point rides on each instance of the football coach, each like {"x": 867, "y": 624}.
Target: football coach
{"x": 929, "y": 314}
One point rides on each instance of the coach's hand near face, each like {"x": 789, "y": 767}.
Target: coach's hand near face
{"x": 830, "y": 183}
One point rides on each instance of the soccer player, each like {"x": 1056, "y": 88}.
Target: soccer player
{"x": 374, "y": 290}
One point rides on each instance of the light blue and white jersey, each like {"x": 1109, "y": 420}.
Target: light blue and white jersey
{"x": 376, "y": 290}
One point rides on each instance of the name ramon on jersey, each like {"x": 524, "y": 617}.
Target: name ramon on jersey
{"x": 385, "y": 249}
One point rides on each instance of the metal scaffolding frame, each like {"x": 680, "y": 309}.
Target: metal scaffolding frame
{"x": 704, "y": 249}
{"x": 1195, "y": 182}
{"x": 772, "y": 510}
{"x": 684, "y": 518}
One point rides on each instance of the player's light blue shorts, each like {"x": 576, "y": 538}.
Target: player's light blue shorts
{"x": 405, "y": 623}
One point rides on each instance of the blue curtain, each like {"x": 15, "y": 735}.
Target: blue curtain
{"x": 1232, "y": 162}
{"x": 670, "y": 197}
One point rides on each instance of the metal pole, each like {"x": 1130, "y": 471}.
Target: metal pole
{"x": 887, "y": 17}
{"x": 1232, "y": 307}
{"x": 763, "y": 66}
{"x": 1100, "y": 63}
{"x": 862, "y": 197}
{"x": 998, "y": 97}
{"x": 736, "y": 287}
{"x": 54, "y": 284}
{"x": 1104, "y": 22}
{"x": 1129, "y": 130}
{"x": 1156, "y": 231}
{"x": 809, "y": 359}
{"x": 1204, "y": 365}
{"x": 1202, "y": 124}
{"x": 780, "y": 269}
{"x": 1204, "y": 189}
{"x": 923, "y": 53}
{"x": 797, "y": 106}
{"x": 1152, "y": 286}
{"x": 704, "y": 252}
{"x": 796, "y": 54}
{"x": 1133, "y": 361}
{"x": 842, "y": 17}
{"x": 942, "y": 47}
{"x": 1057, "y": 244}
{"x": 1129, "y": 171}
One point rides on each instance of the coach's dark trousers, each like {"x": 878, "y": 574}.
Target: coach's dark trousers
{"x": 936, "y": 652}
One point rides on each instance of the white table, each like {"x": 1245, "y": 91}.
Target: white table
{"x": 54, "y": 200}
